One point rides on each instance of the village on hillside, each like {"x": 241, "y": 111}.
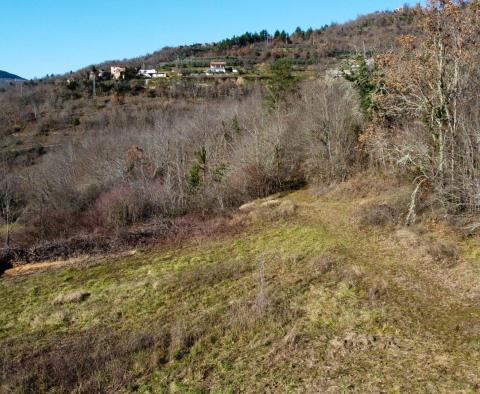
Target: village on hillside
{"x": 217, "y": 67}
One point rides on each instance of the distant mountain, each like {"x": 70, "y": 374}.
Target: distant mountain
{"x": 6, "y": 77}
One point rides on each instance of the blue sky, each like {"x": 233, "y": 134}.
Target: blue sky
{"x": 39, "y": 37}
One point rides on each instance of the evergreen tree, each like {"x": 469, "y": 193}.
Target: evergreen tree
{"x": 281, "y": 80}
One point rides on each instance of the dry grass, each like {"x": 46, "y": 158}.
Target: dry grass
{"x": 301, "y": 303}
{"x": 388, "y": 211}
{"x": 268, "y": 209}
{"x": 443, "y": 253}
{"x": 75, "y": 297}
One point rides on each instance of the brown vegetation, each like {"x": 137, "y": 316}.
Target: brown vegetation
{"x": 208, "y": 158}
{"x": 427, "y": 105}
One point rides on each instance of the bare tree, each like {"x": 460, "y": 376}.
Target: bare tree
{"x": 6, "y": 200}
{"x": 433, "y": 79}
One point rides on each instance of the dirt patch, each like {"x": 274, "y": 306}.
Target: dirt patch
{"x": 32, "y": 268}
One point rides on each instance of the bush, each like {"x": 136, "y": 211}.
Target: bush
{"x": 193, "y": 179}
{"x": 121, "y": 206}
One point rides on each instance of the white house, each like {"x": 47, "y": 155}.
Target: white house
{"x": 152, "y": 73}
{"x": 117, "y": 72}
{"x": 218, "y": 67}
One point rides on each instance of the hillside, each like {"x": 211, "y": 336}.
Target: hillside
{"x": 303, "y": 222}
{"x": 6, "y": 75}
{"x": 48, "y": 113}
{"x": 6, "y": 78}
{"x": 304, "y": 293}
{"x": 373, "y": 33}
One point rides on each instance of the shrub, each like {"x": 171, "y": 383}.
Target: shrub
{"x": 121, "y": 206}
{"x": 193, "y": 179}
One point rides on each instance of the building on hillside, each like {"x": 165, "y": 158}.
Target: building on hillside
{"x": 218, "y": 67}
{"x": 152, "y": 73}
{"x": 117, "y": 72}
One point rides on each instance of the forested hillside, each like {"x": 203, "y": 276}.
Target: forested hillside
{"x": 106, "y": 156}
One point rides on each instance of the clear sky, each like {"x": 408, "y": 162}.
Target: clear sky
{"x": 39, "y": 37}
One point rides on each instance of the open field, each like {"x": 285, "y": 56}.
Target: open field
{"x": 310, "y": 298}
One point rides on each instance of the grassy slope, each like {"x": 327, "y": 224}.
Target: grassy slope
{"x": 304, "y": 300}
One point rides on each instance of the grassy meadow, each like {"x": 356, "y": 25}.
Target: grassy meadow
{"x": 310, "y": 297}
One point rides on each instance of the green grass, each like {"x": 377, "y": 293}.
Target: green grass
{"x": 304, "y": 301}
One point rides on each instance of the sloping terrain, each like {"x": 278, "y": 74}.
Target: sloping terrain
{"x": 321, "y": 293}
{"x": 374, "y": 33}
{"x": 6, "y": 77}
{"x": 44, "y": 115}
